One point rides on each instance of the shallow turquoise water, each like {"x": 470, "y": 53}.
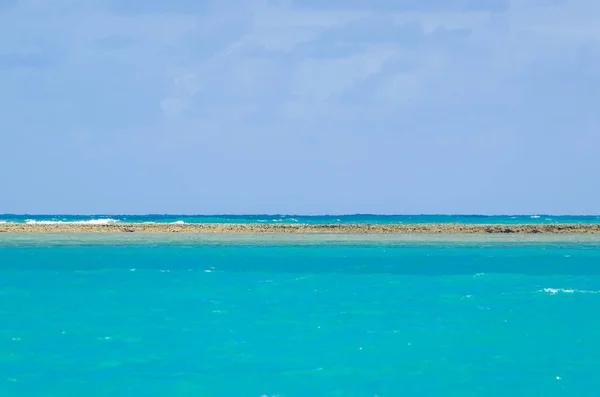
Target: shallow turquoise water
{"x": 299, "y": 316}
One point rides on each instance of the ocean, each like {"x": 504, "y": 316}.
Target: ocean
{"x": 298, "y": 315}
{"x": 303, "y": 219}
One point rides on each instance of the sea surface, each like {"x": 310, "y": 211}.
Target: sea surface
{"x": 299, "y": 315}
{"x": 303, "y": 219}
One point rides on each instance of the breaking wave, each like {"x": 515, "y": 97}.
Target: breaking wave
{"x": 87, "y": 222}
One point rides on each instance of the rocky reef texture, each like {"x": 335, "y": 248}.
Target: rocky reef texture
{"x": 300, "y": 228}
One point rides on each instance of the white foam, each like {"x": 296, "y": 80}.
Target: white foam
{"x": 88, "y": 222}
{"x": 178, "y": 223}
{"x": 554, "y": 291}
{"x": 535, "y": 216}
{"x": 1, "y": 222}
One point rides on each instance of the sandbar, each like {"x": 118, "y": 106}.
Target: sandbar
{"x": 300, "y": 228}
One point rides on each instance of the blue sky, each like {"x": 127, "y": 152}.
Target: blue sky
{"x": 314, "y": 106}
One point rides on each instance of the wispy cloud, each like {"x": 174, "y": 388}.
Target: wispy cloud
{"x": 185, "y": 86}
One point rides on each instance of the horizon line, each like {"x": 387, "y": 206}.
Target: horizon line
{"x": 292, "y": 214}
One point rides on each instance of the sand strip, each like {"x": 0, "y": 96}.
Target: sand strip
{"x": 299, "y": 228}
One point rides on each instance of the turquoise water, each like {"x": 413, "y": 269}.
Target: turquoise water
{"x": 193, "y": 315}
{"x": 317, "y": 219}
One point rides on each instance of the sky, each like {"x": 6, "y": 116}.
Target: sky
{"x": 300, "y": 107}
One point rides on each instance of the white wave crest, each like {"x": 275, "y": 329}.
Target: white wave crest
{"x": 178, "y": 223}
{"x": 554, "y": 291}
{"x": 88, "y": 222}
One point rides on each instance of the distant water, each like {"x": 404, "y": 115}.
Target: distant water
{"x": 245, "y": 315}
{"x": 316, "y": 219}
